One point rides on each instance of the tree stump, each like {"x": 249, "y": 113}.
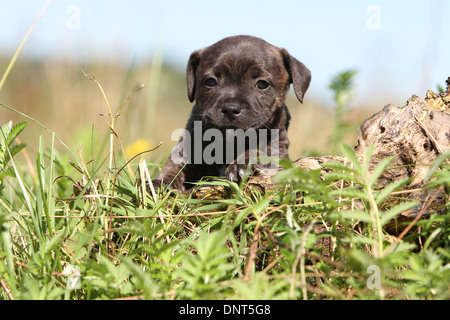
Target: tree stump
{"x": 415, "y": 134}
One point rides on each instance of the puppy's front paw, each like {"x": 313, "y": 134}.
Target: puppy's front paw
{"x": 164, "y": 185}
{"x": 157, "y": 184}
{"x": 235, "y": 172}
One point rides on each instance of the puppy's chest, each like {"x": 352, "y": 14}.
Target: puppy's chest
{"x": 220, "y": 147}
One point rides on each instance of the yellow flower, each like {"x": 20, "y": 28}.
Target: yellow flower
{"x": 138, "y": 146}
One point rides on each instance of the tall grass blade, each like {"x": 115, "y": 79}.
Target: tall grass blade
{"x": 50, "y": 192}
{"x": 16, "y": 54}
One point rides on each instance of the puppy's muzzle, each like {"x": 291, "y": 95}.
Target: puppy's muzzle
{"x": 231, "y": 111}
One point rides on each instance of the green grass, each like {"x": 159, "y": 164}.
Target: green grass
{"x": 76, "y": 231}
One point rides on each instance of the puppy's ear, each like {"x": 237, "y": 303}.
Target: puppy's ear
{"x": 193, "y": 63}
{"x": 299, "y": 75}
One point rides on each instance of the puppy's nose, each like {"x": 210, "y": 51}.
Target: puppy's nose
{"x": 231, "y": 111}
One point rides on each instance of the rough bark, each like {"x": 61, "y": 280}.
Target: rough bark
{"x": 415, "y": 134}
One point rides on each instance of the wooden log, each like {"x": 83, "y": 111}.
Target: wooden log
{"x": 415, "y": 134}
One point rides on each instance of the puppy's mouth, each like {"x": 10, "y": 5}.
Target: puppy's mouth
{"x": 223, "y": 123}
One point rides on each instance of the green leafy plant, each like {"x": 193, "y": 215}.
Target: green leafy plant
{"x": 8, "y": 149}
{"x": 201, "y": 272}
{"x": 342, "y": 87}
{"x": 364, "y": 188}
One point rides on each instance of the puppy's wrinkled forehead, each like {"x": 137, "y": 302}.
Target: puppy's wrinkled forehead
{"x": 238, "y": 56}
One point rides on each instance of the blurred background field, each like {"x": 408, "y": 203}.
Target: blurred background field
{"x": 126, "y": 44}
{"x": 59, "y": 96}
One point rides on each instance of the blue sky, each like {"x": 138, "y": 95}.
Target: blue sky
{"x": 399, "y": 47}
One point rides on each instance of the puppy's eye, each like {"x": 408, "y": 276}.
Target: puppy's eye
{"x": 262, "y": 84}
{"x": 211, "y": 82}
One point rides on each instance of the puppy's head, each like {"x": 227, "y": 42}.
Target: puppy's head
{"x": 242, "y": 81}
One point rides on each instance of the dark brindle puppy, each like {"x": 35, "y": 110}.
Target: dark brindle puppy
{"x": 239, "y": 82}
